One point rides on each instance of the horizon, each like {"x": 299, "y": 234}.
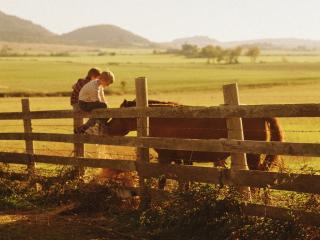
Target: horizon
{"x": 242, "y": 22}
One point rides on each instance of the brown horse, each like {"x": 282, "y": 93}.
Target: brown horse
{"x": 260, "y": 129}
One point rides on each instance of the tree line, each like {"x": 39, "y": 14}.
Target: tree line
{"x": 217, "y": 54}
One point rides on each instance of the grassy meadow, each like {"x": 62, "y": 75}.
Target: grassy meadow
{"x": 277, "y": 77}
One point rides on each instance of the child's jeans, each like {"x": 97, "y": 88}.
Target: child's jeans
{"x": 88, "y": 107}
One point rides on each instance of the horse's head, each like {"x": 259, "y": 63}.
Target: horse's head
{"x": 127, "y": 103}
{"x": 121, "y": 126}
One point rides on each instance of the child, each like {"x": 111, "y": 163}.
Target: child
{"x": 91, "y": 97}
{"x": 93, "y": 74}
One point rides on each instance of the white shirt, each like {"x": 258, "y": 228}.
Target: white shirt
{"x": 92, "y": 92}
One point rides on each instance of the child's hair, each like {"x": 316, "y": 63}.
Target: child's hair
{"x": 93, "y": 72}
{"x": 108, "y": 75}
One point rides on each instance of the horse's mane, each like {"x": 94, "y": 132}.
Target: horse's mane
{"x": 157, "y": 102}
{"x": 152, "y": 103}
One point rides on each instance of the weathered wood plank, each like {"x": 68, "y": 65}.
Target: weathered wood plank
{"x": 142, "y": 131}
{"x": 207, "y": 145}
{"x": 23, "y": 158}
{"x": 235, "y": 131}
{"x": 16, "y": 158}
{"x": 281, "y": 181}
{"x": 183, "y": 173}
{"x": 234, "y": 125}
{"x": 78, "y": 147}
{"x": 28, "y": 129}
{"x": 243, "y": 111}
{"x": 77, "y": 122}
{"x": 56, "y": 114}
{"x": 143, "y": 121}
{"x": 308, "y": 218}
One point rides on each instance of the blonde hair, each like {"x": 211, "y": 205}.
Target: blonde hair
{"x": 108, "y": 76}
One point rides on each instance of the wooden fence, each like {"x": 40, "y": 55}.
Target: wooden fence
{"x": 238, "y": 175}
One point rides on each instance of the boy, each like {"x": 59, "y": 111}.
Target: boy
{"x": 93, "y": 74}
{"x": 91, "y": 97}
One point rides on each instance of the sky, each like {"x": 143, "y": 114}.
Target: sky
{"x": 165, "y": 20}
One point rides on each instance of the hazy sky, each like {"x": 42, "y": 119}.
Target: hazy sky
{"x": 164, "y": 20}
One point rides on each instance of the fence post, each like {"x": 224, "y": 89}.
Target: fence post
{"x": 142, "y": 131}
{"x": 235, "y": 131}
{"x": 78, "y": 147}
{"x": 28, "y": 129}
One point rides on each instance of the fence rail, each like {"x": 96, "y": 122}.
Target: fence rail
{"x": 205, "y": 145}
{"x": 235, "y": 176}
{"x": 224, "y": 111}
{"x": 24, "y": 158}
{"x": 274, "y": 180}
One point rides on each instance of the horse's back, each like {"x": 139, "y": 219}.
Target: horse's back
{"x": 255, "y": 129}
{"x": 210, "y": 128}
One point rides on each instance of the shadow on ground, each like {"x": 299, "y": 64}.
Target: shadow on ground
{"x": 61, "y": 227}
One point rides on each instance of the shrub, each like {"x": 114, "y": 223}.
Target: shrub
{"x": 207, "y": 212}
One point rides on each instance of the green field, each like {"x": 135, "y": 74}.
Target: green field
{"x": 172, "y": 78}
{"x": 166, "y": 73}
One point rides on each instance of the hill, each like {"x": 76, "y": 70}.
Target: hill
{"x": 105, "y": 36}
{"x": 200, "y": 41}
{"x": 270, "y": 43}
{"x": 279, "y": 43}
{"x": 14, "y": 29}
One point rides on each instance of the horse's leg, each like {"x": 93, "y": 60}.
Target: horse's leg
{"x": 220, "y": 160}
{"x": 271, "y": 161}
{"x": 253, "y": 161}
{"x": 187, "y": 160}
{"x": 162, "y": 182}
{"x": 220, "y": 163}
{"x": 163, "y": 158}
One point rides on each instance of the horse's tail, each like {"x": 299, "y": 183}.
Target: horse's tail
{"x": 276, "y": 134}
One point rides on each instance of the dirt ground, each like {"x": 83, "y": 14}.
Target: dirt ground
{"x": 31, "y": 226}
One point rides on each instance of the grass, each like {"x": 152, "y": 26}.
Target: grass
{"x": 170, "y": 78}
{"x": 165, "y": 72}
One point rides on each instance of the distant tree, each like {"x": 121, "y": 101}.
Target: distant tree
{"x": 189, "y": 50}
{"x": 5, "y": 51}
{"x": 222, "y": 55}
{"x": 232, "y": 55}
{"x": 236, "y": 54}
{"x": 173, "y": 51}
{"x": 253, "y": 53}
{"x": 123, "y": 85}
{"x": 210, "y": 52}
